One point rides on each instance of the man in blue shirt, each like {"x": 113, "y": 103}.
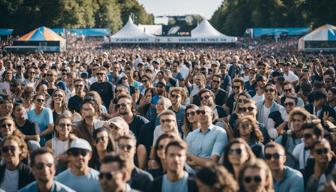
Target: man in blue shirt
{"x": 285, "y": 179}
{"x": 207, "y": 142}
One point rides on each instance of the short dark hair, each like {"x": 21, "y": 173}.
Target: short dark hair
{"x": 177, "y": 143}
{"x": 114, "y": 158}
{"x": 37, "y": 152}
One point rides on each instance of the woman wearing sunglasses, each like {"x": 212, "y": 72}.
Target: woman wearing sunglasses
{"x": 190, "y": 120}
{"x": 236, "y": 154}
{"x": 59, "y": 104}
{"x": 42, "y": 116}
{"x": 61, "y": 142}
{"x": 104, "y": 144}
{"x": 14, "y": 174}
{"x": 248, "y": 130}
{"x": 255, "y": 176}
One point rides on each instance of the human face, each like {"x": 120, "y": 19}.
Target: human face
{"x": 87, "y": 110}
{"x": 297, "y": 122}
{"x": 199, "y": 81}
{"x": 249, "y": 109}
{"x": 330, "y": 96}
{"x": 160, "y": 106}
{"x": 64, "y": 128}
{"x": 39, "y": 101}
{"x": 175, "y": 159}
{"x": 113, "y": 177}
{"x": 58, "y": 97}
{"x": 101, "y": 76}
{"x": 7, "y": 128}
{"x": 191, "y": 115}
{"x": 322, "y": 153}
{"x": 44, "y": 168}
{"x": 237, "y": 154}
{"x": 102, "y": 140}
{"x": 261, "y": 69}
{"x": 11, "y": 152}
{"x": 79, "y": 158}
{"x": 275, "y": 158}
{"x": 19, "y": 111}
{"x": 207, "y": 99}
{"x": 175, "y": 98}
{"x": 288, "y": 89}
{"x": 245, "y": 128}
{"x": 168, "y": 123}
{"x": 215, "y": 82}
{"x": 124, "y": 106}
{"x": 237, "y": 87}
{"x": 254, "y": 180}
{"x": 127, "y": 148}
{"x": 289, "y": 105}
{"x": 51, "y": 76}
{"x": 205, "y": 115}
{"x": 309, "y": 138}
{"x": 79, "y": 87}
{"x": 161, "y": 148}
{"x": 270, "y": 93}
{"x": 146, "y": 82}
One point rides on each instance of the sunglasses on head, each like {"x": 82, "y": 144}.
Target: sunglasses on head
{"x": 77, "y": 152}
{"x": 6, "y": 149}
{"x": 256, "y": 179}
{"x": 41, "y": 166}
{"x": 321, "y": 151}
{"x": 268, "y": 156}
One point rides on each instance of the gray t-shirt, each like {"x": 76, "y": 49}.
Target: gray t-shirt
{"x": 10, "y": 181}
{"x": 179, "y": 185}
{"x": 89, "y": 182}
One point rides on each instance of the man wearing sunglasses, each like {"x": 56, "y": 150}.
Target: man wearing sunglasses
{"x": 285, "y": 179}
{"x": 75, "y": 102}
{"x": 113, "y": 174}
{"x": 43, "y": 167}
{"x": 79, "y": 176}
{"x": 103, "y": 87}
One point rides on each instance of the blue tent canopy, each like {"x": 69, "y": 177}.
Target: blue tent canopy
{"x": 258, "y": 32}
{"x": 6, "y": 32}
{"x": 91, "y": 32}
{"x": 332, "y": 34}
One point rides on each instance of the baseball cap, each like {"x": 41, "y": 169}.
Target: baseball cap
{"x": 80, "y": 144}
{"x": 118, "y": 122}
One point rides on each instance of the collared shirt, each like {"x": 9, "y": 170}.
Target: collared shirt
{"x": 56, "y": 187}
{"x": 208, "y": 143}
{"x": 292, "y": 181}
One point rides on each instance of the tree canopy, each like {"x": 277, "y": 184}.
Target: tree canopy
{"x": 233, "y": 17}
{"x": 25, "y": 15}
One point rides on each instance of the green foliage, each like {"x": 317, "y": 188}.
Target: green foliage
{"x": 234, "y": 16}
{"x": 25, "y": 15}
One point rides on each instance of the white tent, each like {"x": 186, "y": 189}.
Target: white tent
{"x": 206, "y": 30}
{"x": 322, "y": 38}
{"x": 130, "y": 33}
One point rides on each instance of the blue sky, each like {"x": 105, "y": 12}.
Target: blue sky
{"x": 181, "y": 7}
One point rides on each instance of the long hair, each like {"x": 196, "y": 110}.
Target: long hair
{"x": 64, "y": 101}
{"x": 21, "y": 143}
{"x": 156, "y": 145}
{"x": 111, "y": 146}
{"x": 257, "y": 164}
{"x": 227, "y": 164}
{"x": 256, "y": 134}
{"x": 186, "y": 124}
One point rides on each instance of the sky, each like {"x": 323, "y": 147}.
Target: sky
{"x": 181, "y": 7}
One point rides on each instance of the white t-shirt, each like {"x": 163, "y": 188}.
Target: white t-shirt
{"x": 265, "y": 114}
{"x": 291, "y": 76}
{"x": 10, "y": 181}
{"x": 258, "y": 98}
{"x": 301, "y": 155}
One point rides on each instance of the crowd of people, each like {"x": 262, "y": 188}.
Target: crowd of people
{"x": 194, "y": 118}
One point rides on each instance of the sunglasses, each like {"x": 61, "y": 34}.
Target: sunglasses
{"x": 269, "y": 90}
{"x": 6, "y": 149}
{"x": 191, "y": 113}
{"x": 107, "y": 176}
{"x": 201, "y": 112}
{"x": 256, "y": 179}
{"x": 41, "y": 166}
{"x": 321, "y": 151}
{"x": 125, "y": 147}
{"x": 246, "y": 109}
{"x": 5, "y": 125}
{"x": 79, "y": 85}
{"x": 276, "y": 156}
{"x": 63, "y": 125}
{"x": 58, "y": 95}
{"x": 235, "y": 151}
{"x": 77, "y": 152}
{"x": 166, "y": 120}
{"x": 289, "y": 104}
{"x": 174, "y": 96}
{"x": 99, "y": 139}
{"x": 121, "y": 105}
{"x": 205, "y": 97}
{"x": 307, "y": 135}
{"x": 40, "y": 100}
{"x": 215, "y": 81}
{"x": 242, "y": 100}
{"x": 100, "y": 74}
{"x": 288, "y": 90}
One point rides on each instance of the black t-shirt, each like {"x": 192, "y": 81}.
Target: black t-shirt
{"x": 105, "y": 90}
{"x": 74, "y": 104}
{"x": 136, "y": 125}
{"x": 28, "y": 128}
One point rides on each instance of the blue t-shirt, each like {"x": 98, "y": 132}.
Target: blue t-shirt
{"x": 89, "y": 182}
{"x": 179, "y": 185}
{"x": 42, "y": 120}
